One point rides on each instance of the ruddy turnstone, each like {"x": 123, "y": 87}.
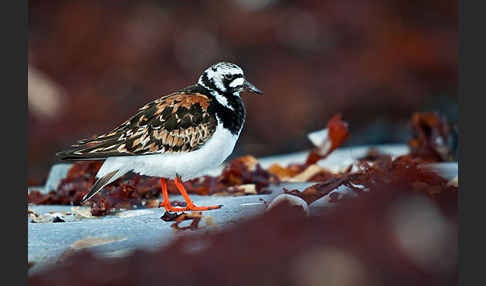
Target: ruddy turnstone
{"x": 176, "y": 137}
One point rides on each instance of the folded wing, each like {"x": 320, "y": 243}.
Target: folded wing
{"x": 179, "y": 122}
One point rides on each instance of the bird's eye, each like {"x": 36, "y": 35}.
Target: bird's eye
{"x": 229, "y": 76}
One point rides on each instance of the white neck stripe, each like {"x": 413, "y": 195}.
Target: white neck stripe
{"x": 222, "y": 100}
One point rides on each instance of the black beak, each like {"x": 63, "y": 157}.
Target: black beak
{"x": 248, "y": 86}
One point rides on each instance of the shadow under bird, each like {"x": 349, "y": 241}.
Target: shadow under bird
{"x": 176, "y": 137}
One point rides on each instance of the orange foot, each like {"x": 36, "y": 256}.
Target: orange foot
{"x": 190, "y": 205}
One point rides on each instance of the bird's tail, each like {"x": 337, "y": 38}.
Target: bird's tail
{"x": 101, "y": 182}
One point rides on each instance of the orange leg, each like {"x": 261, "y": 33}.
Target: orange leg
{"x": 190, "y": 205}
{"x": 165, "y": 196}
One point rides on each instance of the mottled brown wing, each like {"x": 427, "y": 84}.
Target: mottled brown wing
{"x": 179, "y": 122}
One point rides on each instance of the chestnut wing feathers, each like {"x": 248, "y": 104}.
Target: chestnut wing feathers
{"x": 179, "y": 122}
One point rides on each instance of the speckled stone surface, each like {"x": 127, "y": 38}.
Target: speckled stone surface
{"x": 118, "y": 234}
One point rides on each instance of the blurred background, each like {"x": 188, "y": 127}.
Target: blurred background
{"x": 92, "y": 64}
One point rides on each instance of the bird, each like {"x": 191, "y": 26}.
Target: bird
{"x": 176, "y": 137}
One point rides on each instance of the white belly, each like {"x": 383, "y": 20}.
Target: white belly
{"x": 186, "y": 165}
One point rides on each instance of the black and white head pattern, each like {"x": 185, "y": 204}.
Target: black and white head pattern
{"x": 226, "y": 79}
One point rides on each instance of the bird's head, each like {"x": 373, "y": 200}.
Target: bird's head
{"x": 226, "y": 78}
